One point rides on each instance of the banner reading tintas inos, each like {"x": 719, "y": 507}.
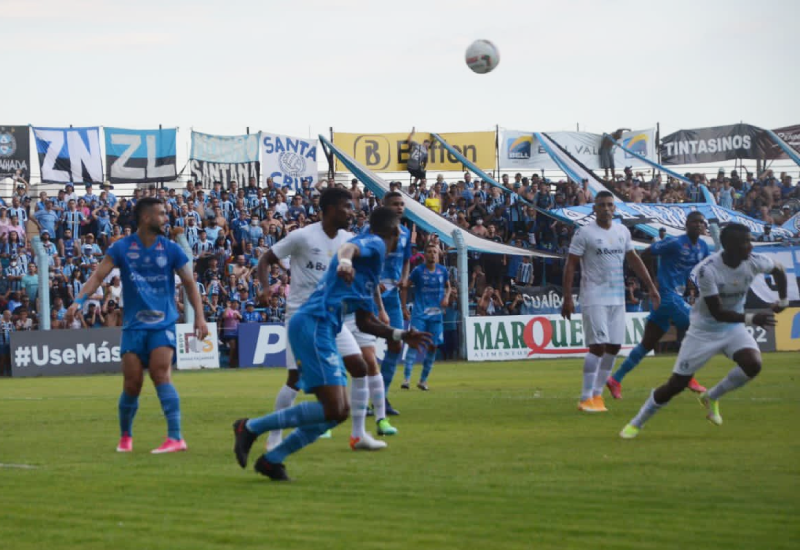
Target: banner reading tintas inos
{"x": 389, "y": 152}
{"x": 224, "y": 158}
{"x": 288, "y": 160}
{"x": 717, "y": 144}
{"x": 140, "y": 156}
{"x": 15, "y": 151}
{"x": 69, "y": 155}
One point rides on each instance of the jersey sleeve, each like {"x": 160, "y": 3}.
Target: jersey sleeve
{"x": 628, "y": 239}
{"x": 706, "y": 281}
{"x": 578, "y": 244}
{"x": 115, "y": 252}
{"x": 763, "y": 263}
{"x": 665, "y": 246}
{"x": 178, "y": 256}
{"x": 285, "y": 247}
{"x": 369, "y": 246}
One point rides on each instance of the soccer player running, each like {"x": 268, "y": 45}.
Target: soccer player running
{"x": 348, "y": 285}
{"x": 679, "y": 255}
{"x": 310, "y": 251}
{"x": 393, "y": 278}
{"x": 601, "y": 247}
{"x": 431, "y": 295}
{"x": 718, "y": 325}
{"x": 147, "y": 261}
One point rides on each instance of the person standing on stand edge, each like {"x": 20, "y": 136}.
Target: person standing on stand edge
{"x": 601, "y": 247}
{"x": 417, "y": 157}
{"x": 607, "y": 151}
{"x": 679, "y": 255}
{"x": 394, "y": 279}
{"x": 431, "y": 297}
{"x": 348, "y": 285}
{"x": 147, "y": 261}
{"x": 719, "y": 325}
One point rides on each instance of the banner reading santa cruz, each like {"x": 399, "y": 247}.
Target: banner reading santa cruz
{"x": 518, "y": 337}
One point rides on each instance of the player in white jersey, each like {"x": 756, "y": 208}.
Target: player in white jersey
{"x": 718, "y": 325}
{"x": 601, "y": 248}
{"x": 311, "y": 250}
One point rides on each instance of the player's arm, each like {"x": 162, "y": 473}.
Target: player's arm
{"x": 726, "y": 316}
{"x": 404, "y": 290}
{"x": 779, "y": 276}
{"x": 411, "y": 135}
{"x": 369, "y": 324}
{"x": 641, "y": 271}
{"x": 94, "y": 282}
{"x": 382, "y": 315}
{"x": 649, "y": 261}
{"x": 187, "y": 280}
{"x": 446, "y": 300}
{"x": 568, "y": 307}
{"x": 346, "y": 254}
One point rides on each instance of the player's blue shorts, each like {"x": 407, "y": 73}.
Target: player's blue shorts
{"x": 142, "y": 342}
{"x": 393, "y": 307}
{"x": 673, "y": 308}
{"x": 434, "y": 325}
{"x": 313, "y": 342}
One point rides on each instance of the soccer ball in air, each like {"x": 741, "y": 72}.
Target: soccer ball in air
{"x": 482, "y": 56}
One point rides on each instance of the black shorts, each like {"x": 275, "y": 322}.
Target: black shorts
{"x": 418, "y": 173}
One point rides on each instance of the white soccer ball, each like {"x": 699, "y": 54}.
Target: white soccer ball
{"x": 482, "y": 56}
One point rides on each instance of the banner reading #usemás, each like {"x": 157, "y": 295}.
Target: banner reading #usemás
{"x": 521, "y": 337}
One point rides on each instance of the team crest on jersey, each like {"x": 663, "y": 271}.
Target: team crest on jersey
{"x": 161, "y": 260}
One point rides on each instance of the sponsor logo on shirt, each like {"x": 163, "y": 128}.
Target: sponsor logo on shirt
{"x": 151, "y": 317}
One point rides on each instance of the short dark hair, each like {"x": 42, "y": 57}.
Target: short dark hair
{"x": 382, "y": 220}
{"x": 732, "y": 233}
{"x": 695, "y": 214}
{"x": 391, "y": 195}
{"x": 143, "y": 205}
{"x": 331, "y": 196}
{"x": 603, "y": 194}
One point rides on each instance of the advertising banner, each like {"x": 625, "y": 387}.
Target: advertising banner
{"x": 787, "y": 331}
{"x": 538, "y": 300}
{"x": 507, "y": 338}
{"x": 193, "y": 353}
{"x": 717, "y": 144}
{"x": 789, "y": 134}
{"x": 69, "y": 155}
{"x": 15, "y": 151}
{"x": 522, "y": 151}
{"x": 65, "y": 352}
{"x": 140, "y": 156}
{"x": 262, "y": 345}
{"x": 789, "y": 258}
{"x": 206, "y": 173}
{"x": 389, "y": 152}
{"x": 288, "y": 160}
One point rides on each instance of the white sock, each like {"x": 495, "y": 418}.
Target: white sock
{"x": 603, "y": 372}
{"x": 590, "y": 365}
{"x": 736, "y": 378}
{"x": 649, "y": 408}
{"x": 377, "y": 395}
{"x": 284, "y": 400}
{"x": 359, "y": 396}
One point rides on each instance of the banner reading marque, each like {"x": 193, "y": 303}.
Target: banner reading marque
{"x": 389, "y": 152}
{"x": 506, "y": 338}
{"x": 288, "y": 160}
{"x": 717, "y": 144}
{"x": 141, "y": 156}
{"x": 789, "y": 134}
{"x": 15, "y": 151}
{"x": 69, "y": 155}
{"x": 522, "y": 151}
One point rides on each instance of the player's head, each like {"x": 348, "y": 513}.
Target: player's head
{"x": 394, "y": 200}
{"x": 385, "y": 223}
{"x": 736, "y": 241}
{"x": 150, "y": 214}
{"x": 604, "y": 207}
{"x": 337, "y": 206}
{"x": 695, "y": 224}
{"x": 431, "y": 254}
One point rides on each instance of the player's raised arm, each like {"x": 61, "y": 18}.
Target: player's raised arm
{"x": 187, "y": 280}
{"x": 641, "y": 271}
{"x": 94, "y": 282}
{"x": 779, "y": 275}
{"x": 346, "y": 254}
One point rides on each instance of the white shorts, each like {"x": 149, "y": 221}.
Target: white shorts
{"x": 603, "y": 324}
{"x": 345, "y": 343}
{"x": 363, "y": 339}
{"x": 699, "y": 347}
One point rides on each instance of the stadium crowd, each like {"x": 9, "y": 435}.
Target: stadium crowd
{"x": 229, "y": 226}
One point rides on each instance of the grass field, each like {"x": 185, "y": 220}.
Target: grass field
{"x": 495, "y": 456}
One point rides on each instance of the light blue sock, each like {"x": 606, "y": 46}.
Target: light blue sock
{"x": 301, "y": 437}
{"x": 388, "y": 366}
{"x": 427, "y": 365}
{"x": 128, "y": 405}
{"x": 636, "y": 356}
{"x": 411, "y": 356}
{"x": 307, "y": 413}
{"x": 171, "y": 405}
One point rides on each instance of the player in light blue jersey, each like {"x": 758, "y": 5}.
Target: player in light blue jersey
{"x": 148, "y": 261}
{"x": 679, "y": 255}
{"x": 348, "y": 285}
{"x": 431, "y": 295}
{"x": 394, "y": 278}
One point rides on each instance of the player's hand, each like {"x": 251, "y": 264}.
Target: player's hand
{"x": 416, "y": 339}
{"x": 383, "y": 317}
{"x": 346, "y": 273}
{"x": 383, "y": 288}
{"x": 445, "y": 302}
{"x": 764, "y": 320}
{"x": 200, "y": 328}
{"x": 73, "y": 309}
{"x": 777, "y": 307}
{"x": 406, "y": 314}
{"x": 567, "y": 308}
{"x": 655, "y": 297}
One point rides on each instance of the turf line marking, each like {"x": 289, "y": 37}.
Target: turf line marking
{"x": 19, "y": 466}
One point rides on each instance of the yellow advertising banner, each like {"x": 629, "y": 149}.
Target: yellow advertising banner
{"x": 389, "y": 152}
{"x": 787, "y": 332}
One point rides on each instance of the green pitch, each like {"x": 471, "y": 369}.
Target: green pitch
{"x": 494, "y": 456}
